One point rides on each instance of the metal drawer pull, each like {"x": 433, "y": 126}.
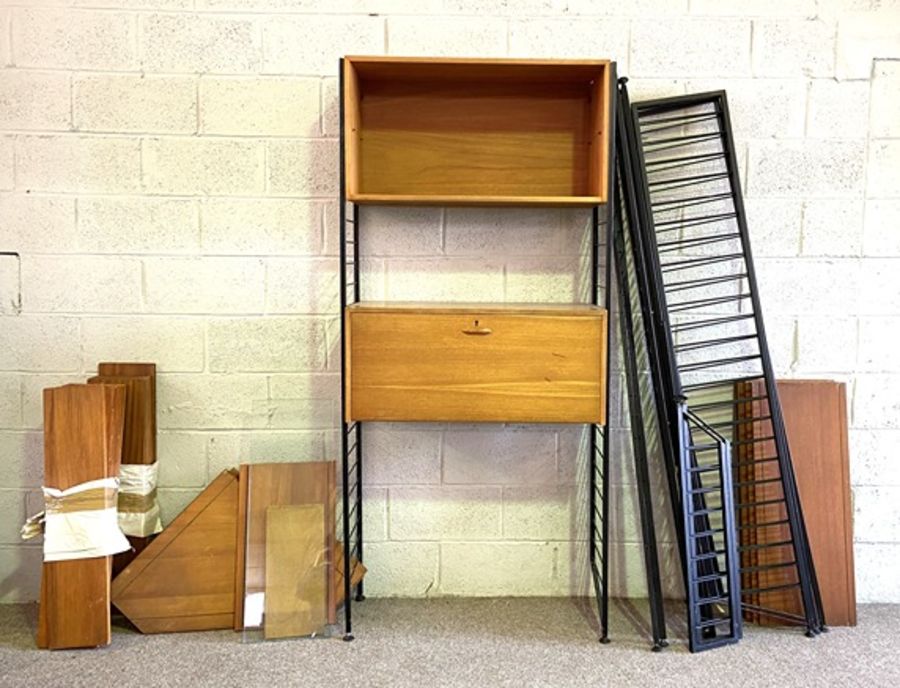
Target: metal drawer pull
{"x": 478, "y": 330}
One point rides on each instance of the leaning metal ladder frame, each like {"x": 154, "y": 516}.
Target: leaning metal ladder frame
{"x": 717, "y": 101}
{"x": 351, "y": 515}
{"x": 710, "y": 585}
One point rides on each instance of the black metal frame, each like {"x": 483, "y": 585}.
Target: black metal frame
{"x": 705, "y": 536}
{"x": 351, "y": 517}
{"x": 698, "y": 135}
{"x": 351, "y": 432}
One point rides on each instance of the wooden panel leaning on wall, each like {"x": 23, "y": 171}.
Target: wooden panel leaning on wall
{"x": 82, "y": 442}
{"x": 815, "y": 417}
{"x": 184, "y": 579}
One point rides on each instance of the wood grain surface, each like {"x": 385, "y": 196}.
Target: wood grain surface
{"x": 440, "y": 363}
{"x": 815, "y": 418}
{"x": 184, "y": 579}
{"x": 83, "y": 431}
{"x": 476, "y": 132}
{"x": 282, "y": 484}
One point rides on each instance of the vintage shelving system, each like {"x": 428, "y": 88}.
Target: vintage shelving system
{"x": 473, "y": 132}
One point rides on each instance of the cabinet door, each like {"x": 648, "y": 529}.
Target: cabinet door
{"x": 499, "y": 367}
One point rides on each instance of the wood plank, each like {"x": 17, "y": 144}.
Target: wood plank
{"x": 276, "y": 484}
{"x": 476, "y": 366}
{"x": 82, "y": 442}
{"x": 119, "y": 369}
{"x": 815, "y": 416}
{"x": 815, "y": 420}
{"x": 357, "y": 572}
{"x": 140, "y": 429}
{"x": 188, "y": 570}
{"x": 241, "y": 548}
{"x": 474, "y": 200}
{"x": 297, "y": 577}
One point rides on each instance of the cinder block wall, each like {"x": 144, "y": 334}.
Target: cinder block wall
{"x": 168, "y": 175}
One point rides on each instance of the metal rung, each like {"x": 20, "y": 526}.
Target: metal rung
{"x": 768, "y": 524}
{"x": 751, "y": 483}
{"x": 683, "y": 182}
{"x": 687, "y": 285}
{"x": 677, "y": 121}
{"x": 707, "y": 512}
{"x": 724, "y": 403}
{"x": 715, "y": 554}
{"x": 714, "y": 622}
{"x": 681, "y": 140}
{"x": 693, "y": 201}
{"x": 755, "y": 440}
{"x": 765, "y": 545}
{"x": 767, "y": 567}
{"x": 715, "y": 216}
{"x": 766, "y": 502}
{"x": 709, "y": 578}
{"x": 351, "y": 448}
{"x": 700, "y": 262}
{"x": 683, "y": 306}
{"x": 738, "y": 422}
{"x": 684, "y": 161}
{"x": 763, "y": 591}
{"x": 700, "y": 324}
{"x": 711, "y": 600}
{"x": 687, "y": 244}
{"x": 708, "y": 533}
{"x": 777, "y": 614}
{"x": 753, "y": 462}
{"x": 719, "y": 383}
{"x": 702, "y": 365}
{"x": 704, "y": 490}
{"x": 705, "y": 469}
{"x": 707, "y": 343}
{"x": 350, "y": 427}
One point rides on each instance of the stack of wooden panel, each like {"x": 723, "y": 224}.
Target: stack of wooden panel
{"x": 82, "y": 442}
{"x": 269, "y": 529}
{"x": 138, "y": 512}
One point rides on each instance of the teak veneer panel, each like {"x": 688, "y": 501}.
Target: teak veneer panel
{"x": 815, "y": 418}
{"x": 184, "y": 579}
{"x": 528, "y": 364}
{"x": 82, "y": 442}
{"x": 476, "y": 132}
{"x": 283, "y": 484}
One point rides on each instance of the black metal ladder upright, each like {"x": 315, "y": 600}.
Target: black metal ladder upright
{"x": 697, "y": 470}
{"x": 715, "y": 352}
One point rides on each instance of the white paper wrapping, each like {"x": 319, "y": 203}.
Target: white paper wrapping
{"x": 81, "y": 534}
{"x": 136, "y": 481}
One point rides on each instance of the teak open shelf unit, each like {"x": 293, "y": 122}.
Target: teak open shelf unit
{"x": 475, "y": 132}
{"x": 448, "y": 131}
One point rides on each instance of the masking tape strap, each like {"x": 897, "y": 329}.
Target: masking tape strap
{"x": 81, "y": 522}
{"x": 138, "y": 506}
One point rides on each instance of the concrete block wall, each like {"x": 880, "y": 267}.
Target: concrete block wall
{"x": 168, "y": 176}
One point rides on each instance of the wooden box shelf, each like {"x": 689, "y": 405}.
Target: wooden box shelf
{"x": 474, "y": 363}
{"x": 476, "y": 132}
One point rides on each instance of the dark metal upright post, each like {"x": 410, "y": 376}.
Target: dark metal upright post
{"x": 345, "y": 458}
{"x": 357, "y": 427}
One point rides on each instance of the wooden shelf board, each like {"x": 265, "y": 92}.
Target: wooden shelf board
{"x": 410, "y": 199}
{"x": 556, "y": 309}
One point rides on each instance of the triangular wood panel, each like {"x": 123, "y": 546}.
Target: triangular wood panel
{"x": 184, "y": 579}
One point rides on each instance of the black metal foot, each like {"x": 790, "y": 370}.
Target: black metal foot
{"x": 664, "y": 643}
{"x": 824, "y": 629}
{"x": 360, "y": 597}
{"x": 347, "y": 637}
{"x": 810, "y": 633}
{"x": 657, "y": 647}
{"x": 604, "y": 640}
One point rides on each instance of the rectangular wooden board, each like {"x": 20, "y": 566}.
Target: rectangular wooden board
{"x": 482, "y": 132}
{"x": 472, "y": 364}
{"x": 815, "y": 418}
{"x": 83, "y": 431}
{"x": 297, "y": 576}
{"x": 283, "y": 484}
